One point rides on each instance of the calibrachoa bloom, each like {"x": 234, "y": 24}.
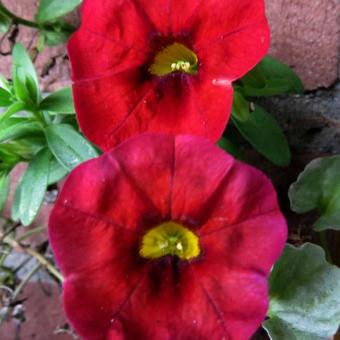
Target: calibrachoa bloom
{"x": 166, "y": 238}
{"x": 162, "y": 65}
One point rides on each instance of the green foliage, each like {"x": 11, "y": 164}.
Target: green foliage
{"x": 5, "y": 23}
{"x": 318, "y": 188}
{"x": 50, "y": 10}
{"x": 241, "y": 107}
{"x": 262, "y": 131}
{"x": 25, "y": 80}
{"x": 304, "y": 296}
{"x": 269, "y": 78}
{"x": 68, "y": 146}
{"x": 56, "y": 171}
{"x": 17, "y": 128}
{"x": 58, "y": 102}
{"x": 5, "y": 98}
{"x": 32, "y": 188}
{"x": 227, "y": 145}
{"x": 4, "y": 188}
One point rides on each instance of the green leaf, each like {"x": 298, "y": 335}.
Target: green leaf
{"x": 4, "y": 188}
{"x": 241, "y": 109}
{"x": 56, "y": 172}
{"x": 318, "y": 187}
{"x": 5, "y": 98}
{"x": 15, "y": 208}
{"x": 59, "y": 102}
{"x": 59, "y": 33}
{"x": 25, "y": 79}
{"x": 227, "y": 145}
{"x": 14, "y": 108}
{"x": 5, "y": 23}
{"x": 33, "y": 187}
{"x": 304, "y": 296}
{"x": 17, "y": 128}
{"x": 5, "y": 84}
{"x": 262, "y": 131}
{"x": 50, "y": 10}
{"x": 269, "y": 78}
{"x": 68, "y": 146}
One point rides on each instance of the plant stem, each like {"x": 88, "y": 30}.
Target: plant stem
{"x": 30, "y": 233}
{"x": 16, "y": 19}
{"x": 40, "y": 258}
{"x": 26, "y": 279}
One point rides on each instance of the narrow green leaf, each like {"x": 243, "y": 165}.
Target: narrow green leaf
{"x": 262, "y": 131}
{"x": 56, "y": 171}
{"x": 5, "y": 98}
{"x": 15, "y": 208}
{"x": 59, "y": 33}
{"x": 4, "y": 188}
{"x": 68, "y": 146}
{"x": 318, "y": 188}
{"x": 50, "y": 10}
{"x": 59, "y": 102}
{"x": 25, "y": 79}
{"x": 17, "y": 128}
{"x": 269, "y": 78}
{"x": 14, "y": 108}
{"x": 5, "y": 23}
{"x": 304, "y": 295}
{"x": 5, "y": 84}
{"x": 241, "y": 109}
{"x": 33, "y": 187}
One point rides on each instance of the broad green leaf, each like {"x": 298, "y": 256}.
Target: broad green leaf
{"x": 15, "y": 208}
{"x": 50, "y": 10}
{"x": 304, "y": 295}
{"x": 59, "y": 102}
{"x": 318, "y": 187}
{"x": 17, "y": 128}
{"x": 33, "y": 187}
{"x": 5, "y": 23}
{"x": 278, "y": 329}
{"x": 241, "y": 108}
{"x": 5, "y": 98}
{"x": 68, "y": 146}
{"x": 14, "y": 108}
{"x": 25, "y": 79}
{"x": 4, "y": 188}
{"x": 262, "y": 131}
{"x": 269, "y": 78}
{"x": 56, "y": 171}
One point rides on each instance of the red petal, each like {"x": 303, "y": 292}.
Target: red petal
{"x": 233, "y": 56}
{"x": 173, "y": 105}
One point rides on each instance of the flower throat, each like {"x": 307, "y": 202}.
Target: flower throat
{"x": 174, "y": 58}
{"x": 170, "y": 239}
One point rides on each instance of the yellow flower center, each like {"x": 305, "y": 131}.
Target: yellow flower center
{"x": 174, "y": 58}
{"x": 170, "y": 239}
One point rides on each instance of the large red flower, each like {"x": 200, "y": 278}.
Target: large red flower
{"x": 162, "y": 65}
{"x": 166, "y": 238}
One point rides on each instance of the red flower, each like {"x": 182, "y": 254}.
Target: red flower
{"x": 166, "y": 238}
{"x": 160, "y": 65}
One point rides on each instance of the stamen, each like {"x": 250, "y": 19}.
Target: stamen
{"x": 174, "y": 58}
{"x": 170, "y": 239}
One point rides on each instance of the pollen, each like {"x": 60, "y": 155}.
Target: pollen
{"x": 170, "y": 239}
{"x": 174, "y": 58}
